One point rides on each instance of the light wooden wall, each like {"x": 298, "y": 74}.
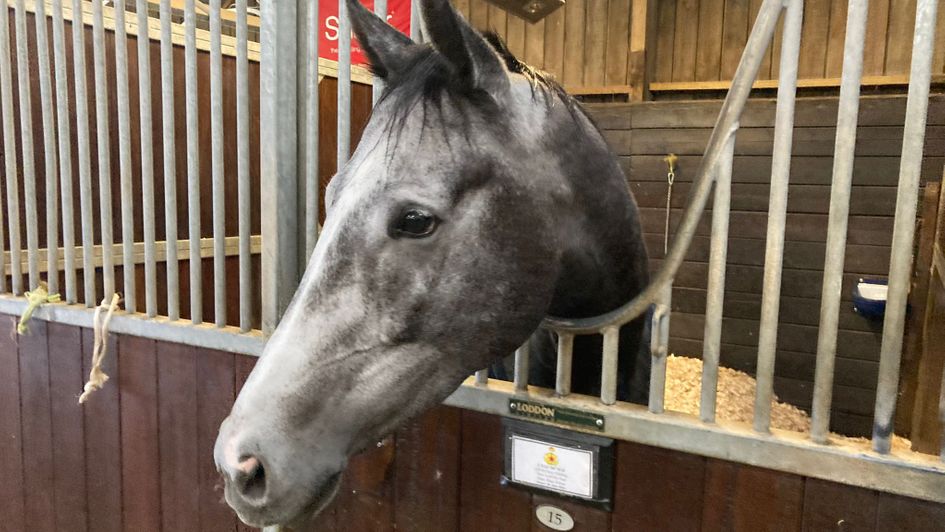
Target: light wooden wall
{"x": 702, "y": 40}
{"x": 586, "y": 43}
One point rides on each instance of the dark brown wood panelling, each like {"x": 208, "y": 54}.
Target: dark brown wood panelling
{"x": 37, "y": 428}
{"x": 11, "y": 448}
{"x": 644, "y": 475}
{"x": 214, "y": 398}
{"x": 829, "y": 506}
{"x": 177, "y": 414}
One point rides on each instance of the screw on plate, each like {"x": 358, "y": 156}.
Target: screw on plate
{"x": 600, "y": 422}
{"x": 512, "y": 406}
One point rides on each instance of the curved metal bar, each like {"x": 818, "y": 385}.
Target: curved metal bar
{"x": 725, "y": 127}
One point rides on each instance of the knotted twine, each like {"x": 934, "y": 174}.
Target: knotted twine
{"x": 97, "y": 377}
{"x": 39, "y": 296}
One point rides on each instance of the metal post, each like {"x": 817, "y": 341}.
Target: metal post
{"x": 380, "y": 9}
{"x": 659, "y": 350}
{"x": 195, "y": 262}
{"x": 716, "y": 283}
{"x": 777, "y": 214}
{"x": 608, "y": 377}
{"x": 65, "y": 147}
{"x": 9, "y": 155}
{"x": 84, "y": 151}
{"x": 244, "y": 191}
{"x": 26, "y": 142}
{"x": 482, "y": 377}
{"x": 522, "y": 355}
{"x": 104, "y": 153}
{"x": 563, "y": 367}
{"x": 344, "y": 86}
{"x": 124, "y": 159}
{"x": 416, "y": 21}
{"x": 837, "y": 221}
{"x": 308, "y": 103}
{"x": 170, "y": 163}
{"x": 279, "y": 158}
{"x": 900, "y": 262}
{"x": 49, "y": 149}
{"x": 216, "y": 167}
{"x": 147, "y": 160}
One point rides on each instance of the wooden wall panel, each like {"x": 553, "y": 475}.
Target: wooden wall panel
{"x": 177, "y": 411}
{"x": 12, "y": 500}
{"x": 214, "y": 399}
{"x": 40, "y": 509}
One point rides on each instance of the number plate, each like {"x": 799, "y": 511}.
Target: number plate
{"x": 554, "y": 518}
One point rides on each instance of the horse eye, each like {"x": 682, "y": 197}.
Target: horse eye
{"x": 415, "y": 223}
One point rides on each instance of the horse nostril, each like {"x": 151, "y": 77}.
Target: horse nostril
{"x": 251, "y": 478}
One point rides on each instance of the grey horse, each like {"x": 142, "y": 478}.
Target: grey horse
{"x": 480, "y": 199}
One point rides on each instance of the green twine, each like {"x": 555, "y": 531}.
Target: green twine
{"x": 39, "y": 296}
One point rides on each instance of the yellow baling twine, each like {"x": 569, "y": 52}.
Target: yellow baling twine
{"x": 39, "y": 296}
{"x": 97, "y": 377}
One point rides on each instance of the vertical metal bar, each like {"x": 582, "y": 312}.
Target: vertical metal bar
{"x": 65, "y": 147}
{"x": 482, "y": 377}
{"x": 941, "y": 411}
{"x": 279, "y": 157}
{"x": 216, "y": 147}
{"x": 51, "y": 167}
{"x": 522, "y": 355}
{"x": 84, "y": 152}
{"x": 659, "y": 351}
{"x": 147, "y": 159}
{"x": 344, "y": 86}
{"x": 9, "y": 155}
{"x": 716, "y": 283}
{"x": 170, "y": 163}
{"x": 416, "y": 22}
{"x": 777, "y": 214}
{"x": 849, "y": 106}
{"x": 242, "y": 164}
{"x": 563, "y": 367}
{"x": 309, "y": 101}
{"x": 195, "y": 262}
{"x": 900, "y": 262}
{"x": 380, "y": 9}
{"x": 608, "y": 374}
{"x": 26, "y": 142}
{"x": 124, "y": 158}
{"x": 102, "y": 147}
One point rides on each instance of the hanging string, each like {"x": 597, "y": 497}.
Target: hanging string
{"x": 97, "y": 377}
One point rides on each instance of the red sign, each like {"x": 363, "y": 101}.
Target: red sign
{"x": 398, "y": 16}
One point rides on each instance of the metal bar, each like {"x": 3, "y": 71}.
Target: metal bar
{"x": 84, "y": 152}
{"x": 659, "y": 350}
{"x": 102, "y": 146}
{"x": 900, "y": 261}
{"x": 242, "y": 165}
{"x": 147, "y": 161}
{"x": 725, "y": 127}
{"x": 51, "y": 167}
{"x": 65, "y": 150}
{"x": 522, "y": 355}
{"x": 416, "y": 21}
{"x": 170, "y": 160}
{"x": 193, "y": 161}
{"x": 777, "y": 214}
{"x": 310, "y": 101}
{"x": 941, "y": 406}
{"x": 216, "y": 153}
{"x": 716, "y": 284}
{"x": 279, "y": 158}
{"x": 837, "y": 220}
{"x": 482, "y": 377}
{"x": 9, "y": 154}
{"x": 124, "y": 155}
{"x": 608, "y": 374}
{"x": 344, "y": 86}
{"x": 563, "y": 367}
{"x": 26, "y": 142}
{"x": 380, "y": 9}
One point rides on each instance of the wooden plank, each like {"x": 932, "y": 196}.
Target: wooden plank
{"x": 554, "y": 43}
{"x": 643, "y": 478}
{"x": 902, "y": 513}
{"x": 892, "y": 80}
{"x": 813, "y": 57}
{"x": 829, "y": 506}
{"x": 12, "y": 502}
{"x": 776, "y": 49}
{"x": 616, "y": 55}
{"x": 718, "y": 510}
{"x": 874, "y": 51}
{"x": 37, "y": 428}
{"x": 938, "y": 53}
{"x": 709, "y": 52}
{"x": 479, "y": 14}
{"x": 103, "y": 451}
{"x": 899, "y": 36}
{"x": 642, "y": 56}
{"x": 214, "y": 399}
{"x": 177, "y": 415}
{"x": 515, "y": 35}
{"x": 242, "y": 366}
{"x": 365, "y": 500}
{"x": 68, "y": 431}
{"x": 685, "y": 43}
{"x": 835, "y": 37}
{"x": 463, "y": 7}
{"x": 535, "y": 44}
{"x": 734, "y": 36}
{"x": 427, "y": 472}
{"x": 485, "y": 504}
{"x": 595, "y": 43}
{"x": 665, "y": 41}
{"x": 767, "y": 500}
{"x": 497, "y": 20}
{"x": 141, "y": 469}
{"x": 574, "y": 17}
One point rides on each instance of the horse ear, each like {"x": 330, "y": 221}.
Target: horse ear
{"x": 386, "y": 47}
{"x": 468, "y": 52}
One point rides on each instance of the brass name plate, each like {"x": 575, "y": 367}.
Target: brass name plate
{"x": 556, "y": 414}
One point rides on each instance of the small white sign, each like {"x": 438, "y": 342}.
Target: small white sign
{"x": 554, "y": 518}
{"x": 552, "y": 467}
